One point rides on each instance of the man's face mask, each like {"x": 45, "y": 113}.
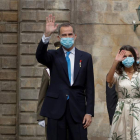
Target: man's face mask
{"x": 67, "y": 42}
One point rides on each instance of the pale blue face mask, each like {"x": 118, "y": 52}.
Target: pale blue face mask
{"x": 128, "y": 62}
{"x": 138, "y": 62}
{"x": 67, "y": 42}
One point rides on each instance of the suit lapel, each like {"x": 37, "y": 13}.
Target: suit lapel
{"x": 77, "y": 67}
{"x": 63, "y": 61}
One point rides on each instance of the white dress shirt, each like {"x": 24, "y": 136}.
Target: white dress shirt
{"x": 48, "y": 71}
{"x": 45, "y": 40}
{"x": 72, "y": 59}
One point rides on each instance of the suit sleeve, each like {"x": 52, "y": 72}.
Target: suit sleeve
{"x": 42, "y": 93}
{"x": 90, "y": 88}
{"x": 42, "y": 55}
{"x": 111, "y": 100}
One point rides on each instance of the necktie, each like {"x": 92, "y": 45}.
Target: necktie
{"x": 69, "y": 68}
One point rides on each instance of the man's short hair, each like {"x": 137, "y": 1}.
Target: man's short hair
{"x": 65, "y": 25}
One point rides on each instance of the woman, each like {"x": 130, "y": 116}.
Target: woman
{"x": 124, "y": 74}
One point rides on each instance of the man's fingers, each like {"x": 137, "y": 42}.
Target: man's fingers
{"x": 85, "y": 125}
{"x": 88, "y": 122}
{"x": 56, "y": 26}
{"x": 84, "y": 120}
{"x": 47, "y": 20}
{"x": 50, "y": 18}
{"x": 53, "y": 19}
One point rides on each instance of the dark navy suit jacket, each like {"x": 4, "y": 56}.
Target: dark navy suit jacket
{"x": 81, "y": 93}
{"x": 111, "y": 99}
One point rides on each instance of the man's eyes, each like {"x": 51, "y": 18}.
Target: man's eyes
{"x": 66, "y": 35}
{"x": 70, "y": 34}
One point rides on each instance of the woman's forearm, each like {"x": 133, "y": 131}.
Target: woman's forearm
{"x": 112, "y": 71}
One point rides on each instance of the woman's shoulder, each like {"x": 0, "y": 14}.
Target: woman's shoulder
{"x": 116, "y": 73}
{"x": 138, "y": 73}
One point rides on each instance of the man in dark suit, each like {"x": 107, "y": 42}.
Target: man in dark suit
{"x": 111, "y": 100}
{"x": 69, "y": 100}
{"x": 42, "y": 121}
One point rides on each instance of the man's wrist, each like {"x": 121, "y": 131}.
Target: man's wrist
{"x": 47, "y": 34}
{"x": 45, "y": 40}
{"x": 89, "y": 114}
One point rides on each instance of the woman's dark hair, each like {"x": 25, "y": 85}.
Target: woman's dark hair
{"x": 120, "y": 66}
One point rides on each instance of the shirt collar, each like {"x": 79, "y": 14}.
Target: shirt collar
{"x": 133, "y": 77}
{"x": 71, "y": 51}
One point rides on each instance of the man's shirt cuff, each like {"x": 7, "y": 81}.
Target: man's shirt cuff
{"x": 90, "y": 114}
{"x": 45, "y": 40}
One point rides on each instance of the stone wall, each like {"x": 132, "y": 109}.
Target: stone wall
{"x": 8, "y": 68}
{"x": 102, "y": 27}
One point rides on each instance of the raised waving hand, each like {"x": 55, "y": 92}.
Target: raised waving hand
{"x": 50, "y": 25}
{"x": 120, "y": 56}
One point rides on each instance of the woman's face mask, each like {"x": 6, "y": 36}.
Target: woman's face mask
{"x": 128, "y": 62}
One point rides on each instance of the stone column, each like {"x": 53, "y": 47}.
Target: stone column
{"x": 8, "y": 68}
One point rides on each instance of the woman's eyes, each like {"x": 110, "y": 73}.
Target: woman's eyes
{"x": 128, "y": 56}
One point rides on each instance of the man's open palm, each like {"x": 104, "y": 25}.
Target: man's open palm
{"x": 50, "y": 25}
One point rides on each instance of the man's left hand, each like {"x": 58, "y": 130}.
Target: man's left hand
{"x": 87, "y": 121}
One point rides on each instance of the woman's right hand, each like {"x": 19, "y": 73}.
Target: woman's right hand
{"x": 120, "y": 56}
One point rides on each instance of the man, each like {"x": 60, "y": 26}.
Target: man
{"x": 69, "y": 100}
{"x": 42, "y": 121}
{"x": 111, "y": 100}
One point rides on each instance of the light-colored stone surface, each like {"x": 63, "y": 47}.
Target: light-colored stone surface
{"x": 8, "y": 69}
{"x": 104, "y": 27}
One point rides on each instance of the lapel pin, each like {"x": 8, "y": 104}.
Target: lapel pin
{"x": 80, "y": 63}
